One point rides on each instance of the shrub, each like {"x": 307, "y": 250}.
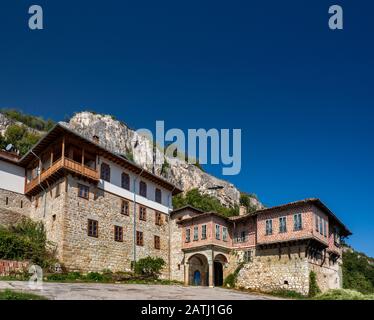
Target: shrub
{"x": 313, "y": 286}
{"x": 343, "y": 294}
{"x": 230, "y": 280}
{"x": 95, "y": 276}
{"x": 204, "y": 202}
{"x": 26, "y": 241}
{"x": 149, "y": 267}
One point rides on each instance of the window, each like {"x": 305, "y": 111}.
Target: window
{"x": 21, "y": 204}
{"x": 269, "y": 227}
{"x": 142, "y": 213}
{"x": 224, "y": 233}
{"x": 218, "y": 236}
{"x": 143, "y": 189}
{"x": 317, "y": 223}
{"x": 336, "y": 236}
{"x": 58, "y": 191}
{"x": 105, "y": 172}
{"x": 282, "y": 225}
{"x": 248, "y": 256}
{"x": 118, "y": 233}
{"x": 188, "y": 235}
{"x": 125, "y": 181}
{"x": 158, "y": 218}
{"x": 320, "y": 225}
{"x": 325, "y": 230}
{"x": 93, "y": 228}
{"x": 195, "y": 233}
{"x": 158, "y": 195}
{"x": 157, "y": 242}
{"x": 125, "y": 207}
{"x": 297, "y": 222}
{"x": 139, "y": 238}
{"x": 203, "y": 232}
{"x": 36, "y": 201}
{"x": 6, "y": 201}
{"x": 242, "y": 236}
{"x": 83, "y": 191}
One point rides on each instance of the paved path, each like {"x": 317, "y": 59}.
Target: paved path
{"x": 97, "y": 291}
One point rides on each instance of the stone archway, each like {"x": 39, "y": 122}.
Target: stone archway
{"x": 198, "y": 270}
{"x": 219, "y": 262}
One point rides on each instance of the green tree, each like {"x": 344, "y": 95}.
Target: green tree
{"x": 204, "y": 202}
{"x": 2, "y": 142}
{"x": 33, "y": 122}
{"x": 358, "y": 272}
{"x": 20, "y": 137}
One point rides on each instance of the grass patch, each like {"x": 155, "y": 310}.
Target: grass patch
{"x": 288, "y": 294}
{"x": 15, "y": 295}
{"x": 343, "y": 294}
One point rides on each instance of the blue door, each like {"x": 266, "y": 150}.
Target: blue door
{"x": 196, "y": 278}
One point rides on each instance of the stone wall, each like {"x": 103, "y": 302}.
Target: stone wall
{"x": 270, "y": 271}
{"x": 85, "y": 253}
{"x": 177, "y": 255}
{"x": 329, "y": 275}
{"x": 290, "y": 270}
{"x": 14, "y": 201}
{"x": 50, "y": 209}
{"x": 13, "y": 206}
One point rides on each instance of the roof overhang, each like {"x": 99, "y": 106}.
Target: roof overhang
{"x": 58, "y": 130}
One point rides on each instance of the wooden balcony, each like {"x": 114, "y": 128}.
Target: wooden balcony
{"x": 56, "y": 171}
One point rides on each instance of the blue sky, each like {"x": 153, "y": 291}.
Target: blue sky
{"x": 301, "y": 93}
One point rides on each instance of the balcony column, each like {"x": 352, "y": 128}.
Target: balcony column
{"x": 51, "y": 158}
{"x": 82, "y": 160}
{"x": 186, "y": 273}
{"x": 211, "y": 274}
{"x": 63, "y": 150}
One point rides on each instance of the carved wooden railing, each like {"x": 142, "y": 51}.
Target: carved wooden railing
{"x": 66, "y": 163}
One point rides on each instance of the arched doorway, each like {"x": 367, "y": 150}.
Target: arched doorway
{"x": 219, "y": 261}
{"x": 218, "y": 274}
{"x": 198, "y": 273}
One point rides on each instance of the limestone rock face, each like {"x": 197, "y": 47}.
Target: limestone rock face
{"x": 118, "y": 137}
{"x": 4, "y": 123}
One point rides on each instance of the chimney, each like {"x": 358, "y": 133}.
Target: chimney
{"x": 242, "y": 210}
{"x": 96, "y": 139}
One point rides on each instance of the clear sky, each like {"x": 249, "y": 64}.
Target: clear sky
{"x": 301, "y": 93}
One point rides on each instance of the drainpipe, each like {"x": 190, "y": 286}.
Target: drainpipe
{"x": 137, "y": 177}
{"x": 170, "y": 206}
{"x": 44, "y": 190}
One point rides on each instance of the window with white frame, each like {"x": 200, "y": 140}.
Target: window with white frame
{"x": 218, "y": 235}
{"x": 298, "y": 223}
{"x": 203, "y": 232}
{"x": 247, "y": 256}
{"x": 282, "y": 225}
{"x": 195, "y": 233}
{"x": 224, "y": 233}
{"x": 269, "y": 227}
{"x": 188, "y": 235}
